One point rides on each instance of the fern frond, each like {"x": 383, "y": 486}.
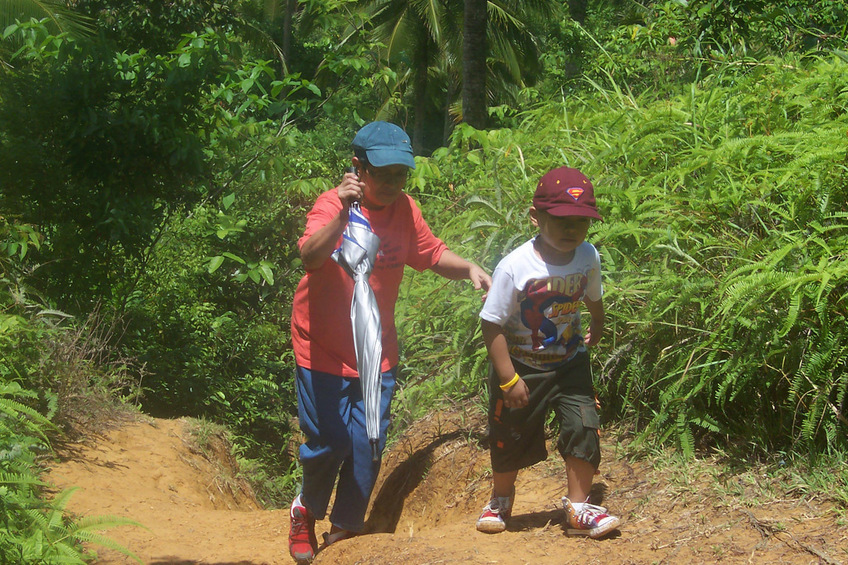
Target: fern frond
{"x": 20, "y": 479}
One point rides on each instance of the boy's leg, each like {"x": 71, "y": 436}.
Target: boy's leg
{"x": 499, "y": 509}
{"x": 582, "y": 517}
{"x": 579, "y": 473}
{"x": 580, "y": 446}
{"x": 358, "y": 472}
{"x": 504, "y": 483}
{"x": 516, "y": 440}
{"x": 578, "y": 442}
{"x": 574, "y": 404}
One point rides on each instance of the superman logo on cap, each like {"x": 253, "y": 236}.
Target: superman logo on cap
{"x": 575, "y": 192}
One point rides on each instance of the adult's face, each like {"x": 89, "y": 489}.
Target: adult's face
{"x": 383, "y": 185}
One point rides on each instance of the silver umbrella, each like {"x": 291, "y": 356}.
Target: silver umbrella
{"x": 357, "y": 255}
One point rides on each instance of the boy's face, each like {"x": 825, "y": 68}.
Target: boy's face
{"x": 560, "y": 235}
{"x": 383, "y": 185}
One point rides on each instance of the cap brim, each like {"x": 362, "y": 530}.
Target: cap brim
{"x": 386, "y": 157}
{"x": 572, "y": 210}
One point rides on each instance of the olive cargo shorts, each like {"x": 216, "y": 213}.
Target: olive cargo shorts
{"x": 517, "y": 437}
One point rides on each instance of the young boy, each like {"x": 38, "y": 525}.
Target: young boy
{"x": 537, "y": 351}
{"x": 330, "y": 403}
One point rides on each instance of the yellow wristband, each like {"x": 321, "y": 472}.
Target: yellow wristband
{"x": 510, "y": 383}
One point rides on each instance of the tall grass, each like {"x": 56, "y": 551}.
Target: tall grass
{"x": 723, "y": 246}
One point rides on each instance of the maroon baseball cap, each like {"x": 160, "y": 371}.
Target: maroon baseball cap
{"x": 566, "y": 192}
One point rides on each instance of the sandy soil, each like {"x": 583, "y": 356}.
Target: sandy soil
{"x": 434, "y": 482}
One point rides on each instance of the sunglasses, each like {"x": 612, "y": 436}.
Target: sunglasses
{"x": 386, "y": 176}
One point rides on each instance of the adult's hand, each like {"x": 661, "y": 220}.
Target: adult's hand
{"x": 479, "y": 278}
{"x": 350, "y": 189}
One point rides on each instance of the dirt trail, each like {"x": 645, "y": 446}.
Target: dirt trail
{"x": 433, "y": 484}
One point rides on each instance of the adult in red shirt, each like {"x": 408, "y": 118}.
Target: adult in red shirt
{"x": 330, "y": 405}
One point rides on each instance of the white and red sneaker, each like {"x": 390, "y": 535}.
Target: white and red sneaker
{"x": 495, "y": 515}
{"x": 584, "y": 519}
{"x": 302, "y": 542}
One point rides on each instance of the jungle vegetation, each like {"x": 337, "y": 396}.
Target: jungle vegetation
{"x": 157, "y": 161}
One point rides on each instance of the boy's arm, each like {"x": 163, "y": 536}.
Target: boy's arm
{"x": 515, "y": 396}
{"x": 596, "y": 327}
{"x": 452, "y": 266}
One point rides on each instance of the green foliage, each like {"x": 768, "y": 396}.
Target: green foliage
{"x": 35, "y": 531}
{"x": 740, "y": 26}
{"x": 154, "y": 26}
{"x": 168, "y": 179}
{"x": 422, "y": 48}
{"x": 659, "y": 46}
{"x": 120, "y": 142}
{"x": 56, "y": 15}
{"x": 723, "y": 247}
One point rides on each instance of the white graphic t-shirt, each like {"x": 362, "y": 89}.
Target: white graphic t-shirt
{"x": 538, "y": 305}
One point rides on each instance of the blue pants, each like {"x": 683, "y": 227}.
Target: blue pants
{"x": 332, "y": 416}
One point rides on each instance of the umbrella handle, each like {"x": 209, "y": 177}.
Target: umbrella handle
{"x": 353, "y": 170}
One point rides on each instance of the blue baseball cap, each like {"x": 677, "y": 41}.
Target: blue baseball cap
{"x": 384, "y": 144}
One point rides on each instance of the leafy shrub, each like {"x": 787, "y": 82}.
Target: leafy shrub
{"x": 722, "y": 246}
{"x": 48, "y": 376}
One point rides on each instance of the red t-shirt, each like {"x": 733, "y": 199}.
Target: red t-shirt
{"x": 321, "y": 332}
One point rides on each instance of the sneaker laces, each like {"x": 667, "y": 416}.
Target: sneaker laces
{"x": 589, "y": 514}
{"x": 300, "y": 527}
{"x": 500, "y": 505}
{"x": 300, "y": 522}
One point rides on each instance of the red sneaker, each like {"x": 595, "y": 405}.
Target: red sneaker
{"x": 495, "y": 515}
{"x": 588, "y": 520}
{"x": 302, "y": 542}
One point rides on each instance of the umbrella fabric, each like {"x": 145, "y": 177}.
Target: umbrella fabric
{"x": 357, "y": 255}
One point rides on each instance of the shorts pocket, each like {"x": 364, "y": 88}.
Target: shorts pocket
{"x": 589, "y": 416}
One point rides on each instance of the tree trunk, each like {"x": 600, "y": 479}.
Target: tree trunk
{"x": 288, "y": 16}
{"x": 474, "y": 51}
{"x": 448, "y": 120}
{"x": 577, "y": 10}
{"x": 419, "y": 108}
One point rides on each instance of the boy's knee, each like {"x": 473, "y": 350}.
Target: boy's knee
{"x": 578, "y": 434}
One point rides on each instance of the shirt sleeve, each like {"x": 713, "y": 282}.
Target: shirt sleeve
{"x": 501, "y": 299}
{"x": 425, "y": 249}
{"x": 326, "y": 207}
{"x": 594, "y": 286}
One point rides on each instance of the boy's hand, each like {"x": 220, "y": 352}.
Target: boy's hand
{"x": 593, "y": 336}
{"x": 350, "y": 189}
{"x": 517, "y": 396}
{"x": 596, "y": 326}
